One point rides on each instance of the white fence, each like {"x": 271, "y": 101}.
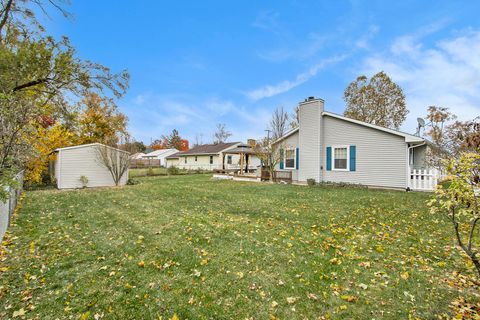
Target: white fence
{"x": 6, "y": 208}
{"x": 424, "y": 180}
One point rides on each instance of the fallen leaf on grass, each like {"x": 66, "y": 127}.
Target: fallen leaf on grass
{"x": 291, "y": 300}
{"x": 19, "y": 313}
{"x": 312, "y": 296}
{"x": 349, "y": 298}
{"x": 363, "y": 286}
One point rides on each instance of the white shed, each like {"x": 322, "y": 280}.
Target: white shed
{"x": 74, "y": 163}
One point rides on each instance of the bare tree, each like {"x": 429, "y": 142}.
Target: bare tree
{"x": 279, "y": 123}
{"x": 270, "y": 154}
{"x": 294, "y": 120}
{"x": 222, "y": 134}
{"x": 198, "y": 140}
{"x": 117, "y": 161}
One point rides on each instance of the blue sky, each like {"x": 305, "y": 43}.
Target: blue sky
{"x": 194, "y": 64}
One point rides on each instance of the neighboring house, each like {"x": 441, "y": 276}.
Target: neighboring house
{"x": 221, "y": 156}
{"x": 329, "y": 147}
{"x": 159, "y": 155}
{"x": 75, "y": 162}
{"x": 138, "y": 156}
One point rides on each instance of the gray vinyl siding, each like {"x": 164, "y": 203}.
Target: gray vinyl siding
{"x": 310, "y": 146}
{"x": 76, "y": 162}
{"x": 290, "y": 142}
{"x": 381, "y": 158}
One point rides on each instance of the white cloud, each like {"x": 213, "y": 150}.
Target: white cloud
{"x": 287, "y": 85}
{"x": 160, "y": 114}
{"x": 364, "y": 41}
{"x": 445, "y": 74}
{"x": 267, "y": 20}
{"x": 309, "y": 48}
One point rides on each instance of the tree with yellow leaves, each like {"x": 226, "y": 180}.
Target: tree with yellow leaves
{"x": 459, "y": 198}
{"x": 44, "y": 143}
{"x": 100, "y": 121}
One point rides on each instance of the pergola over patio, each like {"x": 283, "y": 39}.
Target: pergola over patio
{"x": 244, "y": 151}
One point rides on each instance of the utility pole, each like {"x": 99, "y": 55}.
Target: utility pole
{"x": 268, "y": 135}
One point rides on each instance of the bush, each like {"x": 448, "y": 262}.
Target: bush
{"x": 150, "y": 172}
{"x": 132, "y": 182}
{"x": 84, "y": 181}
{"x": 342, "y": 185}
{"x": 173, "y": 170}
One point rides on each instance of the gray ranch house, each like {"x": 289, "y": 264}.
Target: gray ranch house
{"x": 329, "y": 147}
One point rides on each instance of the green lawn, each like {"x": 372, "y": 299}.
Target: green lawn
{"x": 205, "y": 249}
{"x": 135, "y": 173}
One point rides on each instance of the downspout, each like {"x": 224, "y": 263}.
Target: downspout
{"x": 408, "y": 162}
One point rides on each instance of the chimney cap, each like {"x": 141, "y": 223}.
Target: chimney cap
{"x": 310, "y": 99}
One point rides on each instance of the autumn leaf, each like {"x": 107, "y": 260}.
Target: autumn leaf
{"x": 349, "y": 298}
{"x": 141, "y": 264}
{"x": 19, "y": 313}
{"x": 291, "y": 300}
{"x": 85, "y": 316}
{"x": 312, "y": 296}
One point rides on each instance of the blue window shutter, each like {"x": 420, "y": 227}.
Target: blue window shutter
{"x": 329, "y": 158}
{"x": 281, "y": 158}
{"x": 296, "y": 159}
{"x": 353, "y": 158}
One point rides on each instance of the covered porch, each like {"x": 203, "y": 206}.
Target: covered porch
{"x": 243, "y": 166}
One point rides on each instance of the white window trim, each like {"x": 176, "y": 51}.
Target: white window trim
{"x": 333, "y": 157}
{"x": 294, "y": 159}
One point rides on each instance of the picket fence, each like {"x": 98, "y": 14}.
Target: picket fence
{"x": 424, "y": 179}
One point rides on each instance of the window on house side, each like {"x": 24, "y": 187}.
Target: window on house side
{"x": 185, "y": 159}
{"x": 229, "y": 159}
{"x": 340, "y": 158}
{"x": 196, "y": 158}
{"x": 211, "y": 159}
{"x": 289, "y": 159}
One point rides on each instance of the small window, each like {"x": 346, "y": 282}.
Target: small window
{"x": 229, "y": 159}
{"x": 211, "y": 159}
{"x": 185, "y": 159}
{"x": 196, "y": 158}
{"x": 412, "y": 156}
{"x": 289, "y": 159}
{"x": 340, "y": 158}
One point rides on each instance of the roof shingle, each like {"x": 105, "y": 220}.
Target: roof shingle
{"x": 204, "y": 149}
